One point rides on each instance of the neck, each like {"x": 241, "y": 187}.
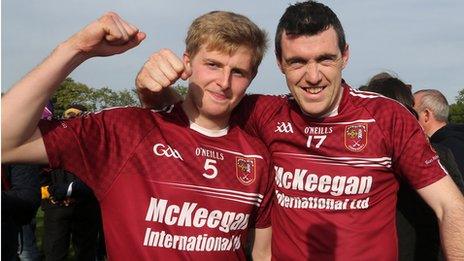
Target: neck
{"x": 435, "y": 127}
{"x": 195, "y": 115}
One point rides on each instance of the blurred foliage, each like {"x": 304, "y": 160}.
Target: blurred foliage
{"x": 182, "y": 90}
{"x": 72, "y": 92}
{"x": 457, "y": 109}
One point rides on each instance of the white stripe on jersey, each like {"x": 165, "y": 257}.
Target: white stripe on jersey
{"x": 236, "y": 200}
{"x": 235, "y": 152}
{"x": 232, "y": 195}
{"x": 372, "y": 95}
{"x": 347, "y": 122}
{"x": 365, "y": 94}
{"x": 384, "y": 162}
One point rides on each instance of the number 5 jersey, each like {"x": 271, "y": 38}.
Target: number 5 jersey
{"x": 168, "y": 189}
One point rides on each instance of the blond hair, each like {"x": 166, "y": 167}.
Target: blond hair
{"x": 226, "y": 32}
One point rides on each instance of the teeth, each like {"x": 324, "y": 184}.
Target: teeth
{"x": 314, "y": 90}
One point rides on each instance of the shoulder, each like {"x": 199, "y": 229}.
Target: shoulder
{"x": 120, "y": 111}
{"x": 376, "y": 105}
{"x": 249, "y": 144}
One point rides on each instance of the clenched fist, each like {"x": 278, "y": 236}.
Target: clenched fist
{"x": 108, "y": 35}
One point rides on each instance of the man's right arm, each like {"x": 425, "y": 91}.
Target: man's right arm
{"x": 153, "y": 81}
{"x": 22, "y": 106}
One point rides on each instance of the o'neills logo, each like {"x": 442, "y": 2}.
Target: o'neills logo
{"x": 356, "y": 137}
{"x": 246, "y": 170}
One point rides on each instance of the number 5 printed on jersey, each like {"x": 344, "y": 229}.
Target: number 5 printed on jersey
{"x": 210, "y": 168}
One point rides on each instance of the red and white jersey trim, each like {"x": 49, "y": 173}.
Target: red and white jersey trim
{"x": 384, "y": 162}
{"x": 237, "y": 153}
{"x": 226, "y": 194}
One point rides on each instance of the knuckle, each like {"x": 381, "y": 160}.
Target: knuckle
{"x": 165, "y": 51}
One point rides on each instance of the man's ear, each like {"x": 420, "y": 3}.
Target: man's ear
{"x": 427, "y": 115}
{"x": 346, "y": 55}
{"x": 187, "y": 65}
{"x": 279, "y": 63}
{"x": 186, "y": 60}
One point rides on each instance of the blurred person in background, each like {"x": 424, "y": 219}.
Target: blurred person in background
{"x": 71, "y": 211}
{"x": 433, "y": 111}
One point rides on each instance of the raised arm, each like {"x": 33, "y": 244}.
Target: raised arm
{"x": 162, "y": 70}
{"x": 448, "y": 203}
{"x": 22, "y": 106}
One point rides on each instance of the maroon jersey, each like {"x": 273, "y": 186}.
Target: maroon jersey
{"x": 166, "y": 191}
{"x": 337, "y": 177}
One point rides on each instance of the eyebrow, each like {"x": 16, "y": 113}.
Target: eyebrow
{"x": 237, "y": 69}
{"x": 210, "y": 60}
{"x": 318, "y": 58}
{"x": 326, "y": 56}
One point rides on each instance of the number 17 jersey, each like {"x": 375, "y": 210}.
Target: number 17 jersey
{"x": 337, "y": 177}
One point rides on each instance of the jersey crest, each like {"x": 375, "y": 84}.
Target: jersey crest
{"x": 245, "y": 170}
{"x": 356, "y": 137}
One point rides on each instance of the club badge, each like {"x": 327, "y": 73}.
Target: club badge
{"x": 245, "y": 170}
{"x": 356, "y": 137}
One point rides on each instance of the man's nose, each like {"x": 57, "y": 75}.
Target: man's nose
{"x": 313, "y": 74}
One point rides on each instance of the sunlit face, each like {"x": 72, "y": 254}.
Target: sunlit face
{"x": 313, "y": 70}
{"x": 217, "y": 84}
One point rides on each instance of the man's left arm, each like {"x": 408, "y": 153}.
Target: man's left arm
{"x": 262, "y": 244}
{"x": 448, "y": 203}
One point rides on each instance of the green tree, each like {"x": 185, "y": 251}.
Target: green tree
{"x": 457, "y": 109}
{"x": 105, "y": 98}
{"x": 182, "y": 90}
{"x": 71, "y": 92}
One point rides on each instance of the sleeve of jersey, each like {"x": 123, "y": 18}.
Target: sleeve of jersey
{"x": 255, "y": 111}
{"x": 263, "y": 219}
{"x": 90, "y": 147}
{"x": 413, "y": 156}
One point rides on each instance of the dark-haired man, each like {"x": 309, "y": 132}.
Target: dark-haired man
{"x": 337, "y": 153}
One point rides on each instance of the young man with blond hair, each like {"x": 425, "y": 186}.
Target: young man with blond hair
{"x": 180, "y": 183}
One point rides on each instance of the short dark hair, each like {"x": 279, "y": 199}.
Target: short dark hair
{"x": 308, "y": 18}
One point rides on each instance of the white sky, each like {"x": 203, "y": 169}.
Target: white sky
{"x": 421, "y": 41}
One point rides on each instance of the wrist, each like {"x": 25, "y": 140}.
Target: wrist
{"x": 74, "y": 55}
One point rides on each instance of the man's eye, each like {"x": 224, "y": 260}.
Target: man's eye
{"x": 295, "y": 64}
{"x": 238, "y": 73}
{"x": 212, "y": 65}
{"x": 327, "y": 62}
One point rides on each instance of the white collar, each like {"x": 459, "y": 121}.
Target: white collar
{"x": 331, "y": 113}
{"x": 208, "y": 132}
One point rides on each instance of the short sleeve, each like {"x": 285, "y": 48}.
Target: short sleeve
{"x": 413, "y": 156}
{"x": 93, "y": 147}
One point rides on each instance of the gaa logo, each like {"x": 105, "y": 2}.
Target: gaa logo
{"x": 166, "y": 151}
